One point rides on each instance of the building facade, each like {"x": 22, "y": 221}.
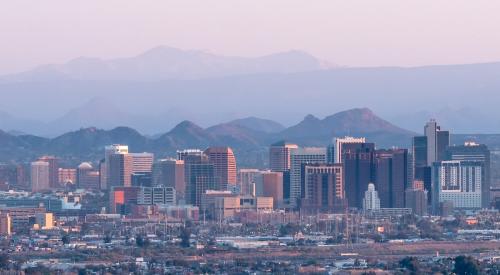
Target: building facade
{"x": 459, "y": 182}
{"x": 298, "y": 158}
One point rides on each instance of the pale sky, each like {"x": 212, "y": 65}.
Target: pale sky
{"x": 349, "y": 32}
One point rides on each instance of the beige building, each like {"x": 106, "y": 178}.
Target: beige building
{"x": 40, "y": 176}
{"x": 226, "y": 207}
{"x": 224, "y": 164}
{"x": 66, "y": 176}
{"x": 5, "y": 224}
{"x": 272, "y": 186}
{"x": 279, "y": 156}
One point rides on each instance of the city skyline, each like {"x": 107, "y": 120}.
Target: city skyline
{"x": 247, "y": 137}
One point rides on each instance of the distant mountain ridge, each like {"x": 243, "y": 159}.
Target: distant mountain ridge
{"x": 249, "y": 144}
{"x": 166, "y": 85}
{"x": 165, "y": 62}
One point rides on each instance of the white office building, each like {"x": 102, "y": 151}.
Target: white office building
{"x": 458, "y": 182}
{"x": 371, "y": 200}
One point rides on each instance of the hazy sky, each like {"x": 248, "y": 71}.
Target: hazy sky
{"x": 349, "y": 32}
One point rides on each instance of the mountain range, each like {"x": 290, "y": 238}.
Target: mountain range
{"x": 154, "y": 91}
{"x": 163, "y": 63}
{"x": 249, "y": 137}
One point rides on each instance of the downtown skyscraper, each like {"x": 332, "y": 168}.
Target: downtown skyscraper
{"x": 224, "y": 164}
{"x": 299, "y": 158}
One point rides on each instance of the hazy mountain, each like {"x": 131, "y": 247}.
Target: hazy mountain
{"x": 163, "y": 63}
{"x": 17, "y": 126}
{"x": 90, "y": 141}
{"x": 250, "y": 145}
{"x": 284, "y": 97}
{"x": 355, "y": 122}
{"x": 258, "y": 124}
{"x": 97, "y": 112}
{"x": 237, "y": 135}
{"x": 185, "y": 135}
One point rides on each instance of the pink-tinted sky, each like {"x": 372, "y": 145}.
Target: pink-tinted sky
{"x": 348, "y": 32}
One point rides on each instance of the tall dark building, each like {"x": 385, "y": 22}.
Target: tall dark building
{"x": 419, "y": 151}
{"x": 330, "y": 154}
{"x": 357, "y": 159}
{"x": 142, "y": 179}
{"x": 443, "y": 141}
{"x": 472, "y": 151}
{"x": 390, "y": 176}
{"x": 286, "y": 185}
{"x": 424, "y": 174}
{"x": 199, "y": 177}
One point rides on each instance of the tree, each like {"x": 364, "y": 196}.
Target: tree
{"x": 140, "y": 241}
{"x": 107, "y": 239}
{"x": 410, "y": 263}
{"x": 4, "y": 261}
{"x": 65, "y": 239}
{"x": 466, "y": 265}
{"x": 185, "y": 236}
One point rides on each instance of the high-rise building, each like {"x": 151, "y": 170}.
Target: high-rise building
{"x": 279, "y": 156}
{"x": 5, "y": 224}
{"x": 339, "y": 143}
{"x": 170, "y": 173}
{"x": 298, "y": 158}
{"x": 9, "y": 175}
{"x": 108, "y": 151}
{"x": 224, "y": 164}
{"x": 474, "y": 152}
{"x": 142, "y": 162}
{"x": 416, "y": 198}
{"x": 87, "y": 177}
{"x": 437, "y": 142}
{"x": 371, "y": 200}
{"x": 103, "y": 174}
{"x": 122, "y": 198}
{"x": 67, "y": 176}
{"x": 199, "y": 176}
{"x": 23, "y": 176}
{"x": 120, "y": 170}
{"x": 247, "y": 179}
{"x": 419, "y": 148}
{"x": 442, "y": 142}
{"x": 458, "y": 181}
{"x": 272, "y": 186}
{"x": 40, "y": 176}
{"x": 53, "y": 170}
{"x": 324, "y": 188}
{"x": 357, "y": 159}
{"x": 390, "y": 176}
{"x": 421, "y": 171}
{"x": 330, "y": 153}
{"x": 181, "y": 154}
